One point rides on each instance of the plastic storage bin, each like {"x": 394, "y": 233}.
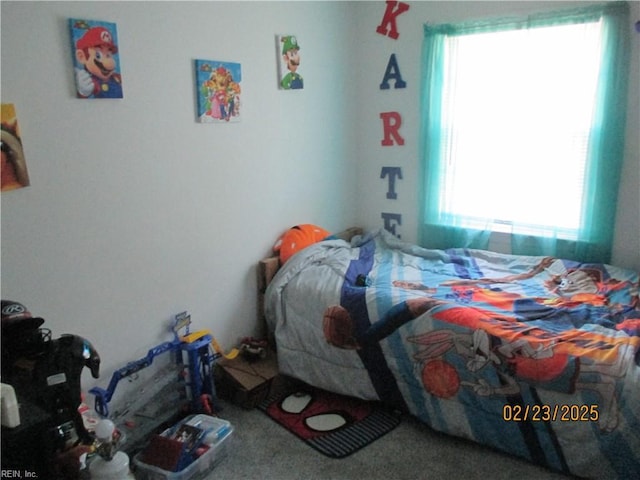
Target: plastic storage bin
{"x": 218, "y": 433}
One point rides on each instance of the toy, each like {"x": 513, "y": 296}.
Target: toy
{"x": 111, "y": 464}
{"x": 201, "y": 359}
{"x": 103, "y": 397}
{"x": 195, "y": 336}
{"x": 253, "y": 349}
{"x": 44, "y": 371}
{"x": 45, "y": 375}
{"x": 201, "y": 350}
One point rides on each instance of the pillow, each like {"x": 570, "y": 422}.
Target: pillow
{"x": 297, "y": 238}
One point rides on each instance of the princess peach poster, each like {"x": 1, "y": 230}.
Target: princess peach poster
{"x": 96, "y": 63}
{"x": 218, "y": 87}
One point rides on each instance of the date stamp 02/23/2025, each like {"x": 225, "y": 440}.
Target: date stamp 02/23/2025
{"x": 550, "y": 413}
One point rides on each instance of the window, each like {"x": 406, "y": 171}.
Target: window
{"x": 516, "y": 119}
{"x": 515, "y": 116}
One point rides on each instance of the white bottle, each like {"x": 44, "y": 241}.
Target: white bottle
{"x": 9, "y": 406}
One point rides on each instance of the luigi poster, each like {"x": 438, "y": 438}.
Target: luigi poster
{"x": 288, "y": 62}
{"x": 96, "y": 62}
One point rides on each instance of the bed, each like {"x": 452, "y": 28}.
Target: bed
{"x": 535, "y": 356}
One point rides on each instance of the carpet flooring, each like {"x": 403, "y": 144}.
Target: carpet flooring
{"x": 260, "y": 449}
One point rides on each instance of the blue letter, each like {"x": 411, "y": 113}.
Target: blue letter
{"x": 392, "y": 172}
{"x": 393, "y": 71}
{"x": 388, "y": 219}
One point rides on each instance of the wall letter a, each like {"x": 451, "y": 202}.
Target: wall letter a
{"x": 389, "y": 19}
{"x": 391, "y": 122}
{"x": 392, "y": 72}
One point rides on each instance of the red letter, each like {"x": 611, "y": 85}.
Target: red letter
{"x": 390, "y": 19}
{"x": 391, "y": 122}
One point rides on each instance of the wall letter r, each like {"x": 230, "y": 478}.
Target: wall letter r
{"x": 391, "y": 122}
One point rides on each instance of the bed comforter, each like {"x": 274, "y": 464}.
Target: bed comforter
{"x": 535, "y": 356}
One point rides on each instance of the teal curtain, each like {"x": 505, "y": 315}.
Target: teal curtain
{"x": 435, "y": 234}
{"x": 606, "y": 145}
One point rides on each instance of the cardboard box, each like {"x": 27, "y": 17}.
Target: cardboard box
{"x": 246, "y": 383}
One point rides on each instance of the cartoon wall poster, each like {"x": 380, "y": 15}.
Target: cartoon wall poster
{"x": 218, "y": 89}
{"x": 96, "y": 62}
{"x": 14, "y": 165}
{"x": 288, "y": 51}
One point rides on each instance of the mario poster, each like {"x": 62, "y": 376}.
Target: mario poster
{"x": 288, "y": 50}
{"x": 218, "y": 89}
{"x": 96, "y": 63}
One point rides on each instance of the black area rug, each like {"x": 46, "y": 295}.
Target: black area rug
{"x": 333, "y": 424}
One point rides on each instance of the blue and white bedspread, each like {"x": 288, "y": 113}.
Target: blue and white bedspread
{"x": 535, "y": 356}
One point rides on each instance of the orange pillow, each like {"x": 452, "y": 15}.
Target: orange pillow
{"x": 297, "y": 238}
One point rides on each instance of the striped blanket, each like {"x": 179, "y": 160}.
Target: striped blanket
{"x": 536, "y": 356}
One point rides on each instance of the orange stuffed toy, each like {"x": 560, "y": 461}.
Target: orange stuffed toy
{"x": 297, "y": 238}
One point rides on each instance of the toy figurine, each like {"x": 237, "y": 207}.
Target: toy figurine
{"x": 110, "y": 464}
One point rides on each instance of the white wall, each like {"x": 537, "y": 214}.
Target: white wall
{"x": 373, "y": 53}
{"x": 136, "y": 212}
